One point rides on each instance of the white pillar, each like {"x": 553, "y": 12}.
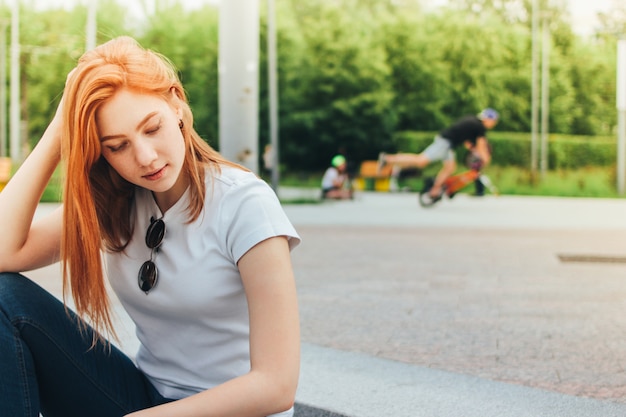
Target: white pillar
{"x": 621, "y": 111}
{"x": 239, "y": 81}
{"x": 534, "y": 98}
{"x": 92, "y": 7}
{"x": 545, "y": 95}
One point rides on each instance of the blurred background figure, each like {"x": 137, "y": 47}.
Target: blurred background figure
{"x": 268, "y": 159}
{"x": 468, "y": 131}
{"x": 336, "y": 183}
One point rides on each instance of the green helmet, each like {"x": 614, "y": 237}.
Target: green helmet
{"x": 338, "y": 160}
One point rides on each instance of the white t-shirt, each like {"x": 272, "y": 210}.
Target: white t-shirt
{"x": 330, "y": 176}
{"x": 193, "y": 325}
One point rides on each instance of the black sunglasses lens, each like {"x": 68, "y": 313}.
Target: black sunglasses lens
{"x": 155, "y": 233}
{"x": 147, "y": 276}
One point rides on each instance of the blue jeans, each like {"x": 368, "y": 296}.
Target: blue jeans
{"x": 47, "y": 364}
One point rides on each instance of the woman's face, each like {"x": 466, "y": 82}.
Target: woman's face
{"x": 141, "y": 139}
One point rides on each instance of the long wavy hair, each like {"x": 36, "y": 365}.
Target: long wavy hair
{"x": 97, "y": 201}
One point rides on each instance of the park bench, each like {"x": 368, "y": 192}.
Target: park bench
{"x": 373, "y": 179}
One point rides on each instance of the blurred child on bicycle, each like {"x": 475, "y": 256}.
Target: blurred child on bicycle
{"x": 469, "y": 131}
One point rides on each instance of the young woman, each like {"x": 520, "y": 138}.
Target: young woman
{"x": 196, "y": 248}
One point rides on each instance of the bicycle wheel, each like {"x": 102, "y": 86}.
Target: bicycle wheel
{"x": 424, "y": 197}
{"x": 426, "y": 200}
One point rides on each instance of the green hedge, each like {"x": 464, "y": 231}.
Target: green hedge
{"x": 513, "y": 149}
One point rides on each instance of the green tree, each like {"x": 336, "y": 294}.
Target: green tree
{"x": 476, "y": 60}
{"x": 351, "y": 72}
{"x": 51, "y": 44}
{"x": 418, "y": 75}
{"x": 344, "y": 91}
{"x": 193, "y": 48}
{"x": 593, "y": 75}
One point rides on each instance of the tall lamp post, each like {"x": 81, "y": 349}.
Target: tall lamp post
{"x": 534, "y": 90}
{"x": 3, "y": 88}
{"x": 15, "y": 123}
{"x": 545, "y": 92}
{"x": 273, "y": 93}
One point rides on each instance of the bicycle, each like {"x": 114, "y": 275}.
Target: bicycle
{"x": 454, "y": 184}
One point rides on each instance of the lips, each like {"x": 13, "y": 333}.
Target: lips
{"x": 153, "y": 176}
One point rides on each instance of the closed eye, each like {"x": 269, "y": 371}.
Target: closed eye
{"x": 117, "y": 148}
{"x": 153, "y": 130}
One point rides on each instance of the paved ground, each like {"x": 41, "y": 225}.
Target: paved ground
{"x": 465, "y": 309}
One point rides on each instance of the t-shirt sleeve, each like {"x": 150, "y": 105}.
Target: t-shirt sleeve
{"x": 329, "y": 176}
{"x": 482, "y": 132}
{"x": 250, "y": 214}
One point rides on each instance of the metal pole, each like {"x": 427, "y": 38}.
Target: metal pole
{"x": 239, "y": 81}
{"x": 545, "y": 95}
{"x": 534, "y": 90}
{"x": 273, "y": 93}
{"x": 92, "y": 7}
{"x": 621, "y": 111}
{"x": 3, "y": 88}
{"x": 15, "y": 83}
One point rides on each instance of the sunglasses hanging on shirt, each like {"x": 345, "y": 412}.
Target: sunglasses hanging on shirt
{"x": 148, "y": 273}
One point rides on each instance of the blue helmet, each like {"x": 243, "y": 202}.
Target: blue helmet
{"x": 489, "y": 114}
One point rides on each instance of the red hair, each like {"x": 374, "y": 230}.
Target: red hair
{"x": 97, "y": 201}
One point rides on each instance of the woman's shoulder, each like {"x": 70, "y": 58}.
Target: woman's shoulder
{"x": 236, "y": 181}
{"x": 229, "y": 175}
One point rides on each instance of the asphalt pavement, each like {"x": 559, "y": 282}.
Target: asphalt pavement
{"x": 490, "y": 306}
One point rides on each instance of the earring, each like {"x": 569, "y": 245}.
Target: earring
{"x": 181, "y": 124}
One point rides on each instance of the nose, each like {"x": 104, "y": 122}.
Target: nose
{"x": 145, "y": 153}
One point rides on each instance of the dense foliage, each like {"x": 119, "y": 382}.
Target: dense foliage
{"x": 352, "y": 73}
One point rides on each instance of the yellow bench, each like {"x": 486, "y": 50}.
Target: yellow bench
{"x": 5, "y": 171}
{"x": 370, "y": 178}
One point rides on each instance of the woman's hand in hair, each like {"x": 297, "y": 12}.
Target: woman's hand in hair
{"x": 55, "y": 128}
{"x": 57, "y": 115}
{"x": 27, "y": 243}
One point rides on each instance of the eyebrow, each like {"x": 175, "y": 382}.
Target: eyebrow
{"x": 141, "y": 123}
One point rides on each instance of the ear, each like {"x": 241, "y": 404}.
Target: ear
{"x": 176, "y": 103}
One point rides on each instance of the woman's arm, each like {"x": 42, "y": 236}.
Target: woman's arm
{"x": 340, "y": 180}
{"x": 26, "y": 244}
{"x": 271, "y": 384}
